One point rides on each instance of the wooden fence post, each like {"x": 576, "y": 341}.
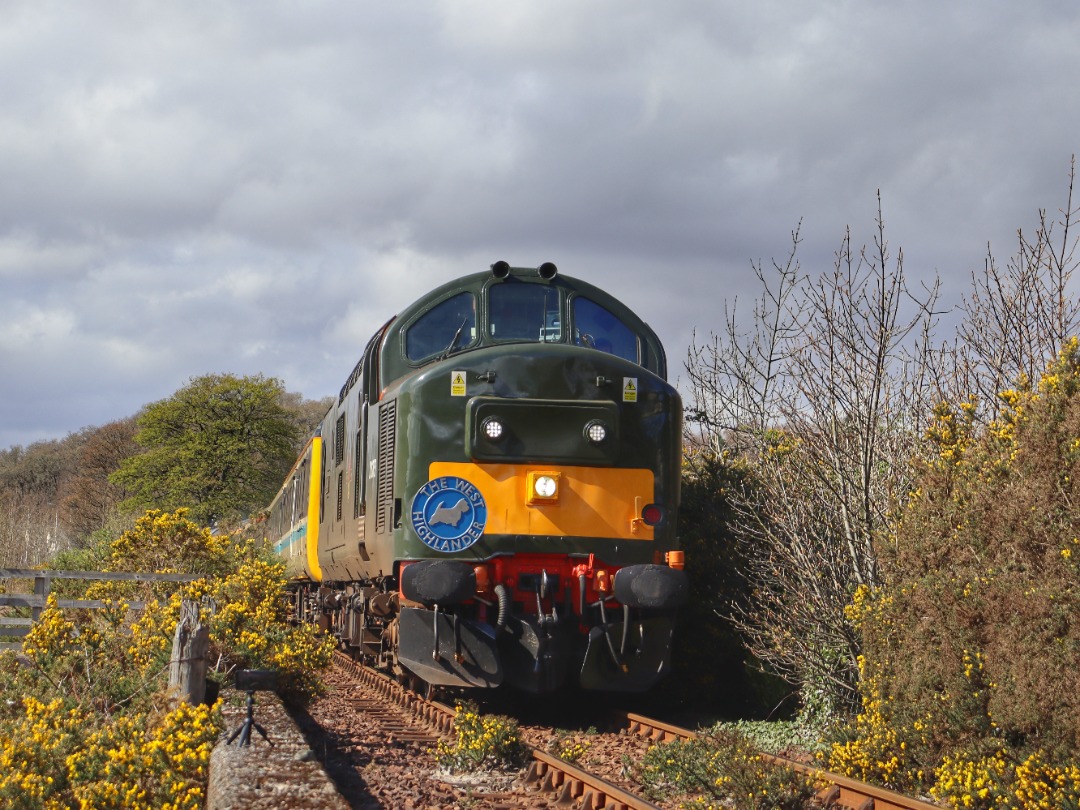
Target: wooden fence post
{"x": 191, "y": 642}
{"x": 42, "y": 585}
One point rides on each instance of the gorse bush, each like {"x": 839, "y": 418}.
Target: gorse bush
{"x": 86, "y": 722}
{"x": 244, "y": 591}
{"x": 1001, "y": 781}
{"x": 251, "y": 630}
{"x": 483, "y": 742}
{"x": 970, "y": 675}
{"x": 570, "y": 746}
{"x": 168, "y": 542}
{"x": 145, "y": 761}
{"x": 89, "y": 729}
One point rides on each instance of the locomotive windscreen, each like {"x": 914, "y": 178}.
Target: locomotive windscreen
{"x": 524, "y": 312}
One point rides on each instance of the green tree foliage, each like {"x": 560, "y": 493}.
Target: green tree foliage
{"x": 59, "y": 494}
{"x": 219, "y": 446}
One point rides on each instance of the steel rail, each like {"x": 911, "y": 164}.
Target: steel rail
{"x": 550, "y": 774}
{"x": 839, "y": 791}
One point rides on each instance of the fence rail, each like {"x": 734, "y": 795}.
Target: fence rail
{"x": 19, "y": 626}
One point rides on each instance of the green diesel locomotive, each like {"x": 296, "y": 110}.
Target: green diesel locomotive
{"x": 492, "y": 500}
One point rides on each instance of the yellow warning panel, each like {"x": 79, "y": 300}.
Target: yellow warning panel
{"x": 591, "y": 501}
{"x": 457, "y": 383}
{"x": 629, "y": 389}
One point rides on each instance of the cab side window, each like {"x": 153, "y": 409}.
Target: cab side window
{"x": 597, "y": 328}
{"x": 445, "y": 328}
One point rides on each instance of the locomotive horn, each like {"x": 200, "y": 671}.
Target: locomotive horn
{"x": 547, "y": 270}
{"x": 500, "y": 269}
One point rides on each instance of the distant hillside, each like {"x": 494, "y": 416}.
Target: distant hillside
{"x": 56, "y": 495}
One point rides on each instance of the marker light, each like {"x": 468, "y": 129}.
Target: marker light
{"x": 492, "y": 428}
{"x": 652, "y": 514}
{"x": 596, "y": 432}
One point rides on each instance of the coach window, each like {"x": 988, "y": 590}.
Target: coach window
{"x": 444, "y": 329}
{"x": 597, "y": 328}
{"x": 303, "y": 487}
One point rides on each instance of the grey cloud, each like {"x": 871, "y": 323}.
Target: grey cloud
{"x": 253, "y": 188}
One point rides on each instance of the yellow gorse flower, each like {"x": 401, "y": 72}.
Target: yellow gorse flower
{"x": 100, "y": 738}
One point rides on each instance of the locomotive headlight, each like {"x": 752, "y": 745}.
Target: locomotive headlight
{"x": 596, "y": 432}
{"x": 493, "y": 428}
{"x": 543, "y": 487}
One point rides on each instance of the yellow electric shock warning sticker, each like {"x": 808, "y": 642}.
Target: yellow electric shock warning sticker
{"x": 629, "y": 389}
{"x": 457, "y": 383}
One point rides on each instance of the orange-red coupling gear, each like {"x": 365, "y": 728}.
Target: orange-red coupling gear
{"x": 585, "y": 569}
{"x": 676, "y": 560}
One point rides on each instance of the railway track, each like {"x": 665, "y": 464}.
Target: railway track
{"x": 407, "y": 716}
{"x": 561, "y": 782}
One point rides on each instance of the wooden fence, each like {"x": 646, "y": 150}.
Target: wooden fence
{"x": 17, "y": 627}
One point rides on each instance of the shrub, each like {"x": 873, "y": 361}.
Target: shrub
{"x": 970, "y": 676}
{"x": 251, "y": 629}
{"x": 999, "y": 781}
{"x": 490, "y": 742}
{"x": 140, "y": 761}
{"x": 90, "y": 729}
{"x": 721, "y": 768}
{"x": 570, "y": 747}
{"x": 790, "y": 738}
{"x": 244, "y": 587}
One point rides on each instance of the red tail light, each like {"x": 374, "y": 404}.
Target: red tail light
{"x": 652, "y": 514}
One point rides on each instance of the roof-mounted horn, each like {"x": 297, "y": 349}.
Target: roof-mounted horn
{"x": 500, "y": 269}
{"x": 547, "y": 271}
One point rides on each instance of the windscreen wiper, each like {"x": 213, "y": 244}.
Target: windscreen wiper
{"x": 453, "y": 341}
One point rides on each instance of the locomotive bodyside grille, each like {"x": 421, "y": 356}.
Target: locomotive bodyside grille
{"x": 387, "y": 432}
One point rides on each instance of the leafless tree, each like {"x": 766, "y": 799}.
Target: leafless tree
{"x": 822, "y": 398}
{"x": 1017, "y": 317}
{"x": 31, "y": 482}
{"x": 738, "y": 379}
{"x": 91, "y": 501}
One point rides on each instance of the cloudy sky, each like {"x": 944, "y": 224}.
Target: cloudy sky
{"x": 254, "y": 187}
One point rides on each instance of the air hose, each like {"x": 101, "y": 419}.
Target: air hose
{"x": 503, "y": 595}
